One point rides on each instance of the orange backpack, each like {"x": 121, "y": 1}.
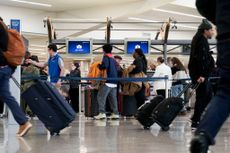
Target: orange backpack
{"x": 95, "y": 72}
{"x": 16, "y": 49}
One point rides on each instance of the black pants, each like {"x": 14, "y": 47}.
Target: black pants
{"x": 203, "y": 97}
{"x": 74, "y": 97}
{"x": 140, "y": 97}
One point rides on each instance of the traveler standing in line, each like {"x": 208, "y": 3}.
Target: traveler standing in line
{"x": 200, "y": 67}
{"x": 218, "y": 110}
{"x": 119, "y": 71}
{"x": 162, "y": 70}
{"x": 6, "y": 72}
{"x": 178, "y": 72}
{"x": 74, "y": 88}
{"x": 140, "y": 66}
{"x": 55, "y": 65}
{"x": 109, "y": 89}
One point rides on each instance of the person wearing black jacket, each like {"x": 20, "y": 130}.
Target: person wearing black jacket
{"x": 6, "y": 72}
{"x": 218, "y": 110}
{"x": 140, "y": 64}
{"x": 200, "y": 66}
{"x": 74, "y": 89}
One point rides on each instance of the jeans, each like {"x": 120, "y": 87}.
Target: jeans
{"x": 203, "y": 97}
{"x": 175, "y": 90}
{"x": 5, "y": 95}
{"x": 219, "y": 108}
{"x": 102, "y": 95}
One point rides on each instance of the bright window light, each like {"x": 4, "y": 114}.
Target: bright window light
{"x": 32, "y": 3}
{"x": 178, "y": 13}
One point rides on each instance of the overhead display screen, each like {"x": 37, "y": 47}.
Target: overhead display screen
{"x": 132, "y": 45}
{"x": 78, "y": 47}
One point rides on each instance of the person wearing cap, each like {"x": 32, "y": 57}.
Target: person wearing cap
{"x": 200, "y": 67}
{"x": 74, "y": 89}
{"x": 218, "y": 110}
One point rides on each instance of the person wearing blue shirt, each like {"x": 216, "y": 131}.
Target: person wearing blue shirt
{"x": 55, "y": 65}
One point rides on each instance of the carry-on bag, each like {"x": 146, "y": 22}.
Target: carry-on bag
{"x": 169, "y": 108}
{"x": 144, "y": 112}
{"x": 91, "y": 103}
{"x": 49, "y": 105}
{"x": 129, "y": 106}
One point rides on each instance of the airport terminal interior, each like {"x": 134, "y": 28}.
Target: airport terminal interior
{"x": 79, "y": 29}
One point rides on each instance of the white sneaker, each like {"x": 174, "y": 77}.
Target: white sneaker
{"x": 100, "y": 116}
{"x": 114, "y": 117}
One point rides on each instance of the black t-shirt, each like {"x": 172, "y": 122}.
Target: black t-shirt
{"x": 140, "y": 66}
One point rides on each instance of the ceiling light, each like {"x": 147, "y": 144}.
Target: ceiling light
{"x": 32, "y": 3}
{"x": 187, "y": 3}
{"x": 147, "y": 20}
{"x": 177, "y": 13}
{"x": 139, "y": 19}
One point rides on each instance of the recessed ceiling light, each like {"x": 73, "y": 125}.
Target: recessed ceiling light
{"x": 32, "y": 3}
{"x": 177, "y": 13}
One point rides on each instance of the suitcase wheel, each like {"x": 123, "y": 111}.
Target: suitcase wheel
{"x": 165, "y": 128}
{"x": 146, "y": 127}
{"x": 55, "y": 133}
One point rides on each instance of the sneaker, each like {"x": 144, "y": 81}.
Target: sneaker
{"x": 114, "y": 117}
{"x": 194, "y": 126}
{"x": 23, "y": 129}
{"x": 199, "y": 144}
{"x": 100, "y": 116}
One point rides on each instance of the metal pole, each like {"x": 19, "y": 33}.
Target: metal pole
{"x": 165, "y": 52}
{"x": 79, "y": 97}
{"x": 166, "y": 87}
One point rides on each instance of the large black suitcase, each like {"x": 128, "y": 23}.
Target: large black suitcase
{"x": 50, "y": 107}
{"x": 169, "y": 108}
{"x": 129, "y": 107}
{"x": 144, "y": 112}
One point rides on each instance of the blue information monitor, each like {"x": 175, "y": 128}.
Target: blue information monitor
{"x": 79, "y": 47}
{"x": 132, "y": 45}
{"x": 15, "y": 24}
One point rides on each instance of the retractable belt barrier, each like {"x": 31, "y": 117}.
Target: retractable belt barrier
{"x": 124, "y": 80}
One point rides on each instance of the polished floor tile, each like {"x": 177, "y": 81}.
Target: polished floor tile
{"x": 123, "y": 136}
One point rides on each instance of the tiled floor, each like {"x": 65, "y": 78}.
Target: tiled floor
{"x": 89, "y": 136}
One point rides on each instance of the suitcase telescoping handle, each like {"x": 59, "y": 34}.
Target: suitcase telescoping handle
{"x": 16, "y": 82}
{"x": 194, "y": 87}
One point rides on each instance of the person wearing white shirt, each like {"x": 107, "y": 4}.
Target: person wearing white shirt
{"x": 162, "y": 70}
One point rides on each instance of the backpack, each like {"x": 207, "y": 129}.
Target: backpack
{"x": 15, "y": 49}
{"x": 95, "y": 72}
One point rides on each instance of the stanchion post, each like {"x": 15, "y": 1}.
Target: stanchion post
{"x": 79, "y": 98}
{"x": 166, "y": 87}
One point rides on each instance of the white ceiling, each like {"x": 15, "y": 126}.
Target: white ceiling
{"x": 64, "y": 5}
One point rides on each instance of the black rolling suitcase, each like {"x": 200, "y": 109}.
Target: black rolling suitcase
{"x": 169, "y": 108}
{"x": 50, "y": 107}
{"x": 145, "y": 111}
{"x": 129, "y": 107}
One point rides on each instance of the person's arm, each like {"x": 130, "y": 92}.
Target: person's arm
{"x": 40, "y": 65}
{"x": 200, "y": 70}
{"x": 105, "y": 63}
{"x": 62, "y": 68}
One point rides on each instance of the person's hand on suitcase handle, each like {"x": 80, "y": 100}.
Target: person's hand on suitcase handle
{"x": 200, "y": 79}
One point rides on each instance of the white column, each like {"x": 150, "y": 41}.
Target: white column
{"x": 15, "y": 91}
